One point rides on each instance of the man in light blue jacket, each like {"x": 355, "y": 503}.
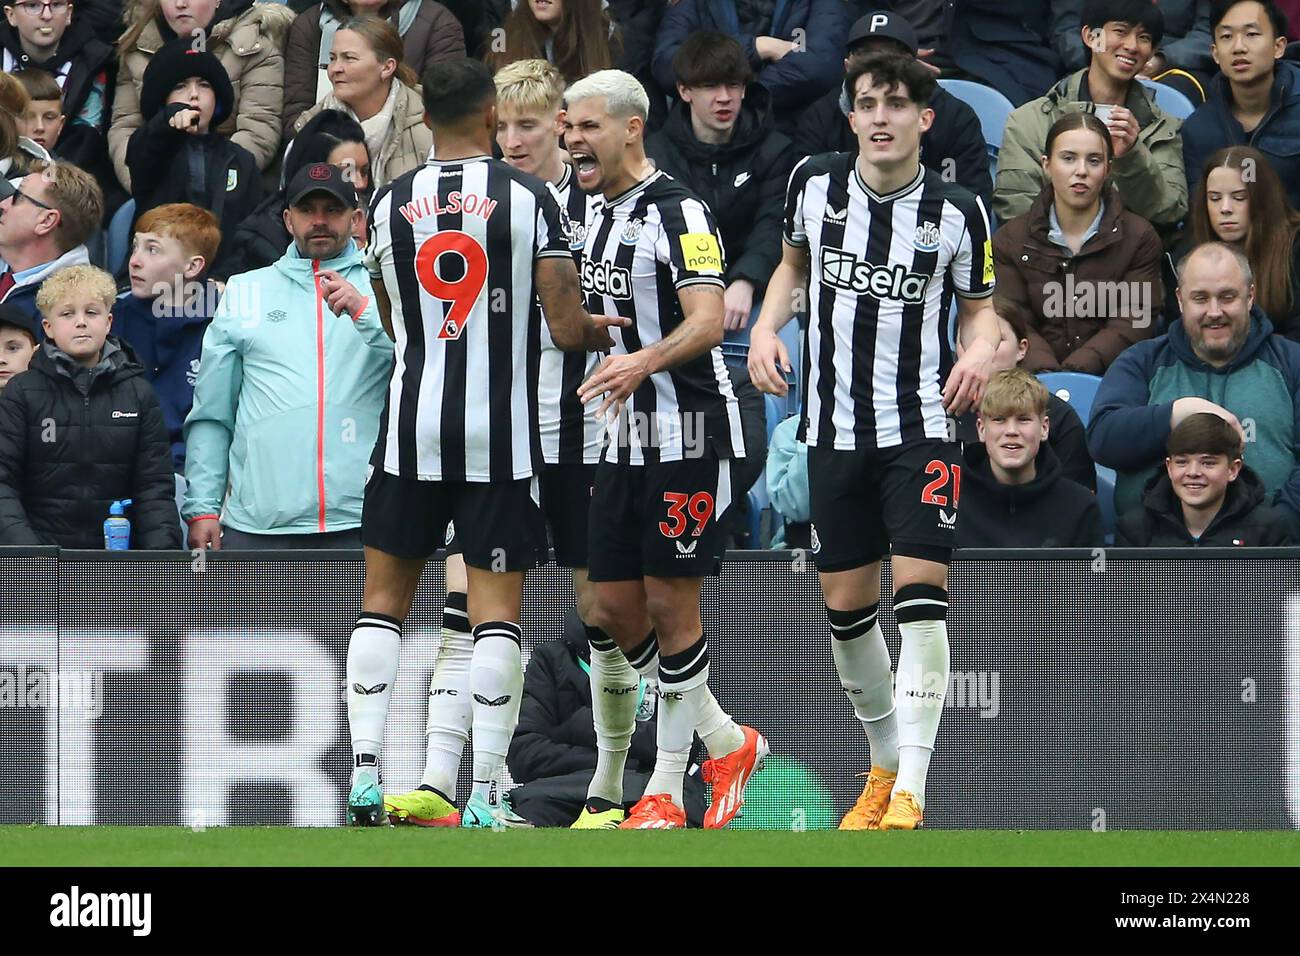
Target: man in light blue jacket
{"x": 290, "y": 389}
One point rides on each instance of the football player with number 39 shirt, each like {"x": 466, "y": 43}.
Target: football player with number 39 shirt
{"x": 652, "y": 253}
{"x": 882, "y": 243}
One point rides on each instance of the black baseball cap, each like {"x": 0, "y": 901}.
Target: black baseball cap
{"x": 883, "y": 24}
{"x": 322, "y": 178}
{"x": 20, "y": 319}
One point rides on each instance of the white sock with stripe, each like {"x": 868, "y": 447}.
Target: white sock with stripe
{"x": 862, "y": 662}
{"x": 922, "y": 681}
{"x": 497, "y": 683}
{"x": 680, "y": 675}
{"x": 614, "y": 686}
{"x": 450, "y": 712}
{"x": 374, "y": 651}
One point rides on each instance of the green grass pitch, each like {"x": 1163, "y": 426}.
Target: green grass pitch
{"x": 409, "y": 846}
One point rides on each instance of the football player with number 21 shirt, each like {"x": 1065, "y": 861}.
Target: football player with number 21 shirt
{"x": 458, "y": 250}
{"x": 882, "y": 243}
{"x": 652, "y": 253}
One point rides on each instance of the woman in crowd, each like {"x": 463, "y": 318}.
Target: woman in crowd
{"x": 429, "y": 31}
{"x": 248, "y": 38}
{"x": 329, "y": 137}
{"x": 1082, "y": 272}
{"x": 576, "y": 36}
{"x": 15, "y": 150}
{"x": 370, "y": 83}
{"x": 1241, "y": 201}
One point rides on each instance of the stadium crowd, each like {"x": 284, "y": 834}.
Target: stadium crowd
{"x": 174, "y": 254}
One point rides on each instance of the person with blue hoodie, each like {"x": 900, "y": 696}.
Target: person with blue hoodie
{"x": 1255, "y": 98}
{"x": 1224, "y": 358}
{"x": 169, "y": 305}
{"x": 291, "y": 385}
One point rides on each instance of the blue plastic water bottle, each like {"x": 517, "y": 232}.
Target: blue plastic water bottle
{"x": 117, "y": 527}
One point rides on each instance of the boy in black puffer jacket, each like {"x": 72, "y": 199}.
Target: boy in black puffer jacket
{"x": 1206, "y": 496}
{"x": 1013, "y": 492}
{"x": 81, "y": 428}
{"x": 177, "y": 157}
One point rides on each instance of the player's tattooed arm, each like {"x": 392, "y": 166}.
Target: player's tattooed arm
{"x": 786, "y": 294}
{"x": 572, "y": 328}
{"x": 700, "y": 330}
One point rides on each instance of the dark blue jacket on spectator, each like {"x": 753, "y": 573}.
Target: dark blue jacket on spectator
{"x": 169, "y": 348}
{"x": 794, "y": 81}
{"x": 1018, "y": 47}
{"x": 1130, "y": 419}
{"x": 1277, "y": 136}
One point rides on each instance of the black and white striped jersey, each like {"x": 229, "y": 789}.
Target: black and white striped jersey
{"x": 454, "y": 243}
{"x": 641, "y": 248}
{"x": 570, "y": 434}
{"x": 882, "y": 270}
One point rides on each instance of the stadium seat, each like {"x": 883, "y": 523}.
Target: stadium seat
{"x": 736, "y": 351}
{"x": 1077, "y": 388}
{"x": 1169, "y": 99}
{"x": 992, "y": 108}
{"x": 1106, "y": 502}
{"x": 119, "y": 237}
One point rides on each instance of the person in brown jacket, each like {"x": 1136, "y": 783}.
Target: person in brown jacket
{"x": 1082, "y": 272}
{"x": 370, "y": 83}
{"x": 429, "y": 31}
{"x": 248, "y": 38}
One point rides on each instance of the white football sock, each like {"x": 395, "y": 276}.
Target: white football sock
{"x": 450, "y": 705}
{"x": 685, "y": 675}
{"x": 644, "y": 658}
{"x": 922, "y": 681}
{"x": 497, "y": 684}
{"x": 862, "y": 662}
{"x": 613, "y": 706}
{"x": 689, "y": 672}
{"x": 374, "y": 651}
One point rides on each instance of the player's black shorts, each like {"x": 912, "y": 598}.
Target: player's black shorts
{"x": 866, "y": 504}
{"x": 566, "y": 503}
{"x": 659, "y": 520}
{"x": 498, "y": 523}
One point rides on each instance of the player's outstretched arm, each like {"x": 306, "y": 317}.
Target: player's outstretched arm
{"x": 977, "y": 325}
{"x": 700, "y": 330}
{"x": 573, "y": 329}
{"x": 766, "y": 350}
